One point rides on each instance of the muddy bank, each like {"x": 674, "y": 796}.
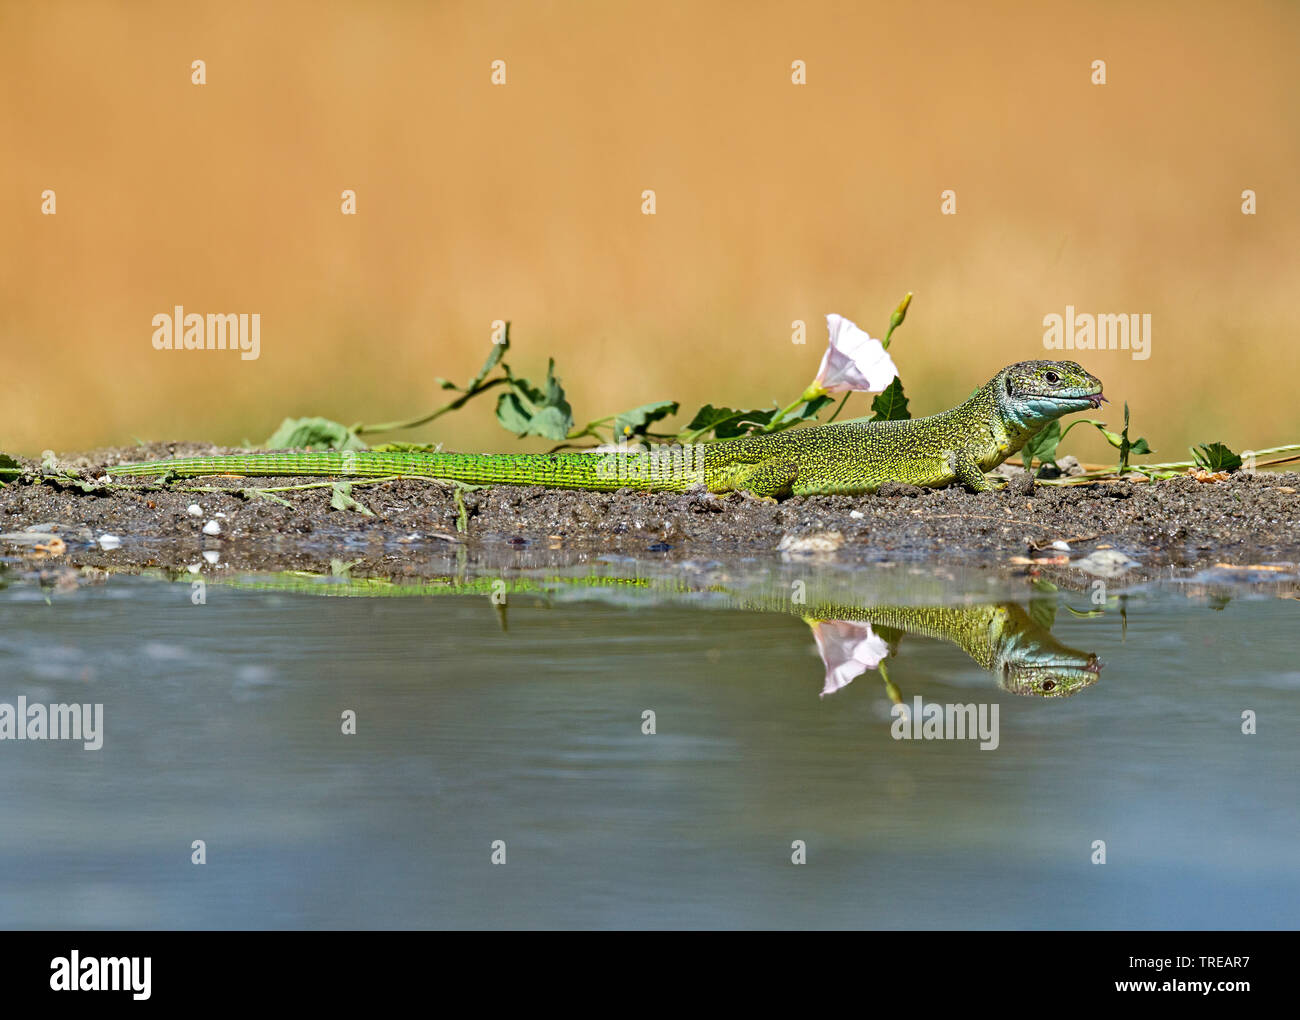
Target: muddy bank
{"x": 1179, "y": 522}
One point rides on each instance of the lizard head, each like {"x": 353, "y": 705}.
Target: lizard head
{"x": 1027, "y": 658}
{"x": 1063, "y": 672}
{"x": 1036, "y": 392}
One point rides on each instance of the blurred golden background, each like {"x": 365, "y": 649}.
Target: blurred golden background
{"x": 775, "y": 202}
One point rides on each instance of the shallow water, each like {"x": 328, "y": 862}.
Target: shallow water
{"x": 524, "y": 724}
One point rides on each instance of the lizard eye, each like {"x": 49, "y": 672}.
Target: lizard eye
{"x": 1052, "y": 377}
{"x": 1008, "y": 386}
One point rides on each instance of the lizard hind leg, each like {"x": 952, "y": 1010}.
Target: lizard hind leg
{"x": 769, "y": 479}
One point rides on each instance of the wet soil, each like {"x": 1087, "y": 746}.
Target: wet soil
{"x": 1181, "y": 522}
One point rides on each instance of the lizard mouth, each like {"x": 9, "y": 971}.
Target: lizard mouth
{"x": 1093, "y": 399}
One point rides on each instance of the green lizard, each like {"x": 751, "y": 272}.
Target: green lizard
{"x": 849, "y": 457}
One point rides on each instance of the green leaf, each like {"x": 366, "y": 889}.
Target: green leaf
{"x": 744, "y": 423}
{"x": 891, "y": 405}
{"x": 9, "y": 468}
{"x": 726, "y": 422}
{"x": 1215, "y": 457}
{"x": 708, "y": 416}
{"x": 548, "y": 422}
{"x": 529, "y": 411}
{"x": 1114, "y": 438}
{"x": 1042, "y": 446}
{"x": 637, "y": 420}
{"x": 1125, "y": 445}
{"x": 341, "y": 499}
{"x": 299, "y": 432}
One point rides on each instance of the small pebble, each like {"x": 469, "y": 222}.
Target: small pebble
{"x": 194, "y": 510}
{"x": 1022, "y": 484}
{"x": 212, "y": 528}
{"x": 109, "y": 542}
{"x": 817, "y": 542}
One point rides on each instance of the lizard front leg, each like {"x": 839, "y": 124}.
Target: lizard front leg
{"x": 769, "y": 479}
{"x": 967, "y": 472}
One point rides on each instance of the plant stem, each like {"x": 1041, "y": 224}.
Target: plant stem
{"x": 780, "y": 415}
{"x": 459, "y": 402}
{"x": 839, "y": 409}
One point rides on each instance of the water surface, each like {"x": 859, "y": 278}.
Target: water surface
{"x": 524, "y": 724}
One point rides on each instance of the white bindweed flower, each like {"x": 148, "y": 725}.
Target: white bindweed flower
{"x": 854, "y": 360}
{"x": 849, "y": 649}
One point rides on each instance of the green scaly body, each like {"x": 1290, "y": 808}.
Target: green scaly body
{"x": 851, "y": 457}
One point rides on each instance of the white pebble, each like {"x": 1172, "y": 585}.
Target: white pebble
{"x": 194, "y": 510}
{"x": 212, "y": 556}
{"x": 109, "y": 541}
{"x": 857, "y": 515}
{"x": 817, "y": 542}
{"x": 1061, "y": 546}
{"x": 212, "y": 528}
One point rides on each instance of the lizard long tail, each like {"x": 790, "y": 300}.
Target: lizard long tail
{"x": 592, "y": 471}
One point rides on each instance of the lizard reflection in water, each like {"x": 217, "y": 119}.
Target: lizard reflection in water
{"x": 1014, "y": 644}
{"x": 1003, "y": 638}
